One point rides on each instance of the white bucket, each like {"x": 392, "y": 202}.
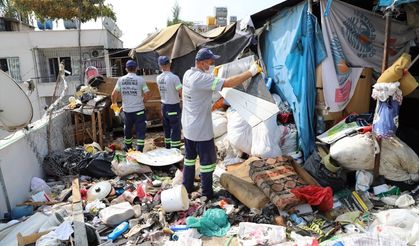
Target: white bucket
{"x": 175, "y": 199}
{"x": 297, "y": 156}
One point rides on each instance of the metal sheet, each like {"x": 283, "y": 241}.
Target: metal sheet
{"x": 158, "y": 157}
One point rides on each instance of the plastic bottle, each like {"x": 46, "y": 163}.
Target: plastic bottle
{"x": 297, "y": 220}
{"x": 321, "y": 126}
{"x": 118, "y": 231}
{"x": 179, "y": 228}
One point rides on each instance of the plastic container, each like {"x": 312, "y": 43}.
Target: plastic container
{"x": 118, "y": 231}
{"x": 20, "y": 211}
{"x": 297, "y": 156}
{"x": 175, "y": 199}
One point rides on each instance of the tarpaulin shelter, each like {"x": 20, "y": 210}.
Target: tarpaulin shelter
{"x": 181, "y": 43}
{"x": 292, "y": 47}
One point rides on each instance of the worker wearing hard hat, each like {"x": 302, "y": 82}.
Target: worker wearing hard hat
{"x": 198, "y": 86}
{"x": 134, "y": 92}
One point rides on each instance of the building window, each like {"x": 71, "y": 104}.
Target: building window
{"x": 54, "y": 65}
{"x": 11, "y": 66}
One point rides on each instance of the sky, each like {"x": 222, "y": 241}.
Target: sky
{"x": 137, "y": 18}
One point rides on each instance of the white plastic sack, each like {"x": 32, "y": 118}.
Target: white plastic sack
{"x": 288, "y": 139}
{"x": 265, "y": 139}
{"x": 125, "y": 168}
{"x": 219, "y": 123}
{"x": 116, "y": 214}
{"x": 38, "y": 185}
{"x": 405, "y": 201}
{"x": 239, "y": 132}
{"x": 260, "y": 234}
{"x": 398, "y": 161}
{"x": 363, "y": 180}
{"x": 400, "y": 224}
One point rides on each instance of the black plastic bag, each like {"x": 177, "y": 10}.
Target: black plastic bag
{"x": 336, "y": 180}
{"x": 98, "y": 165}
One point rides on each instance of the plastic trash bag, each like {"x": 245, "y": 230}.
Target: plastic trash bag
{"x": 219, "y": 123}
{"x": 239, "y": 132}
{"x": 265, "y": 139}
{"x": 322, "y": 175}
{"x": 260, "y": 234}
{"x": 363, "y": 180}
{"x": 316, "y": 195}
{"x": 123, "y": 167}
{"x": 214, "y": 223}
{"x": 38, "y": 185}
{"x": 97, "y": 165}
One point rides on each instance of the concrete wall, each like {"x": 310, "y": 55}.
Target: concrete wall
{"x": 21, "y": 157}
{"x": 22, "y": 44}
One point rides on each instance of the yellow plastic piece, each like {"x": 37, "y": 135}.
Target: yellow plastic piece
{"x": 115, "y": 108}
{"x": 395, "y": 72}
{"x": 398, "y": 72}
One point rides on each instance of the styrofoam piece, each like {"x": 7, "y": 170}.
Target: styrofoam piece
{"x": 116, "y": 214}
{"x": 253, "y": 109}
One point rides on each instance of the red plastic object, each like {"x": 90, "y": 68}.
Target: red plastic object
{"x": 140, "y": 191}
{"x": 316, "y": 196}
{"x": 83, "y": 194}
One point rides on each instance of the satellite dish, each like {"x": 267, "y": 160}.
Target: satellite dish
{"x": 16, "y": 110}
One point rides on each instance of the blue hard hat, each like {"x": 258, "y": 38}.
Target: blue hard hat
{"x": 131, "y": 63}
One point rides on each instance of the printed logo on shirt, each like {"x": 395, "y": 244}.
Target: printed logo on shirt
{"x": 129, "y": 87}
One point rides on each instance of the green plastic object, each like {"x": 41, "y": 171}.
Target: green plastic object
{"x": 394, "y": 191}
{"x": 213, "y": 223}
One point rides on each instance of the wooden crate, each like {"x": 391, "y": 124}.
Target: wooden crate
{"x": 153, "y": 105}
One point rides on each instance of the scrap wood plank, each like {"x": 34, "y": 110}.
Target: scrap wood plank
{"x": 29, "y": 239}
{"x": 80, "y": 235}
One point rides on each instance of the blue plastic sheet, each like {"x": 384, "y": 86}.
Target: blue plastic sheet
{"x": 293, "y": 47}
{"x": 386, "y": 3}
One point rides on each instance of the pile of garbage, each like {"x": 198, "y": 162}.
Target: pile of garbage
{"x": 260, "y": 201}
{"x": 266, "y": 191}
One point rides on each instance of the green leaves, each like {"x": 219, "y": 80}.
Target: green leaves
{"x": 84, "y": 10}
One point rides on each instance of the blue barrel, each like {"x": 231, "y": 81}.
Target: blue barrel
{"x": 46, "y": 25}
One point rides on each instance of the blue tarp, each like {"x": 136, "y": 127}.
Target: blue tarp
{"x": 293, "y": 47}
{"x": 386, "y": 3}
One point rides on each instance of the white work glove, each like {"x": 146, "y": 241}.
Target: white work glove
{"x": 255, "y": 69}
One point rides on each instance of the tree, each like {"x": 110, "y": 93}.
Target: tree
{"x": 175, "y": 16}
{"x": 84, "y": 10}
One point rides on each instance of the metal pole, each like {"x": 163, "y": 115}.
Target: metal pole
{"x": 79, "y": 39}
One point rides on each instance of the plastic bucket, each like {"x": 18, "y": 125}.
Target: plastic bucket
{"x": 175, "y": 199}
{"x": 297, "y": 156}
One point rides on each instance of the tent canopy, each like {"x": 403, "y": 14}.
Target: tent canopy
{"x": 173, "y": 41}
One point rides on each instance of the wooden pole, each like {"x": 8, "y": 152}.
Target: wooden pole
{"x": 386, "y": 40}
{"x": 384, "y": 66}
